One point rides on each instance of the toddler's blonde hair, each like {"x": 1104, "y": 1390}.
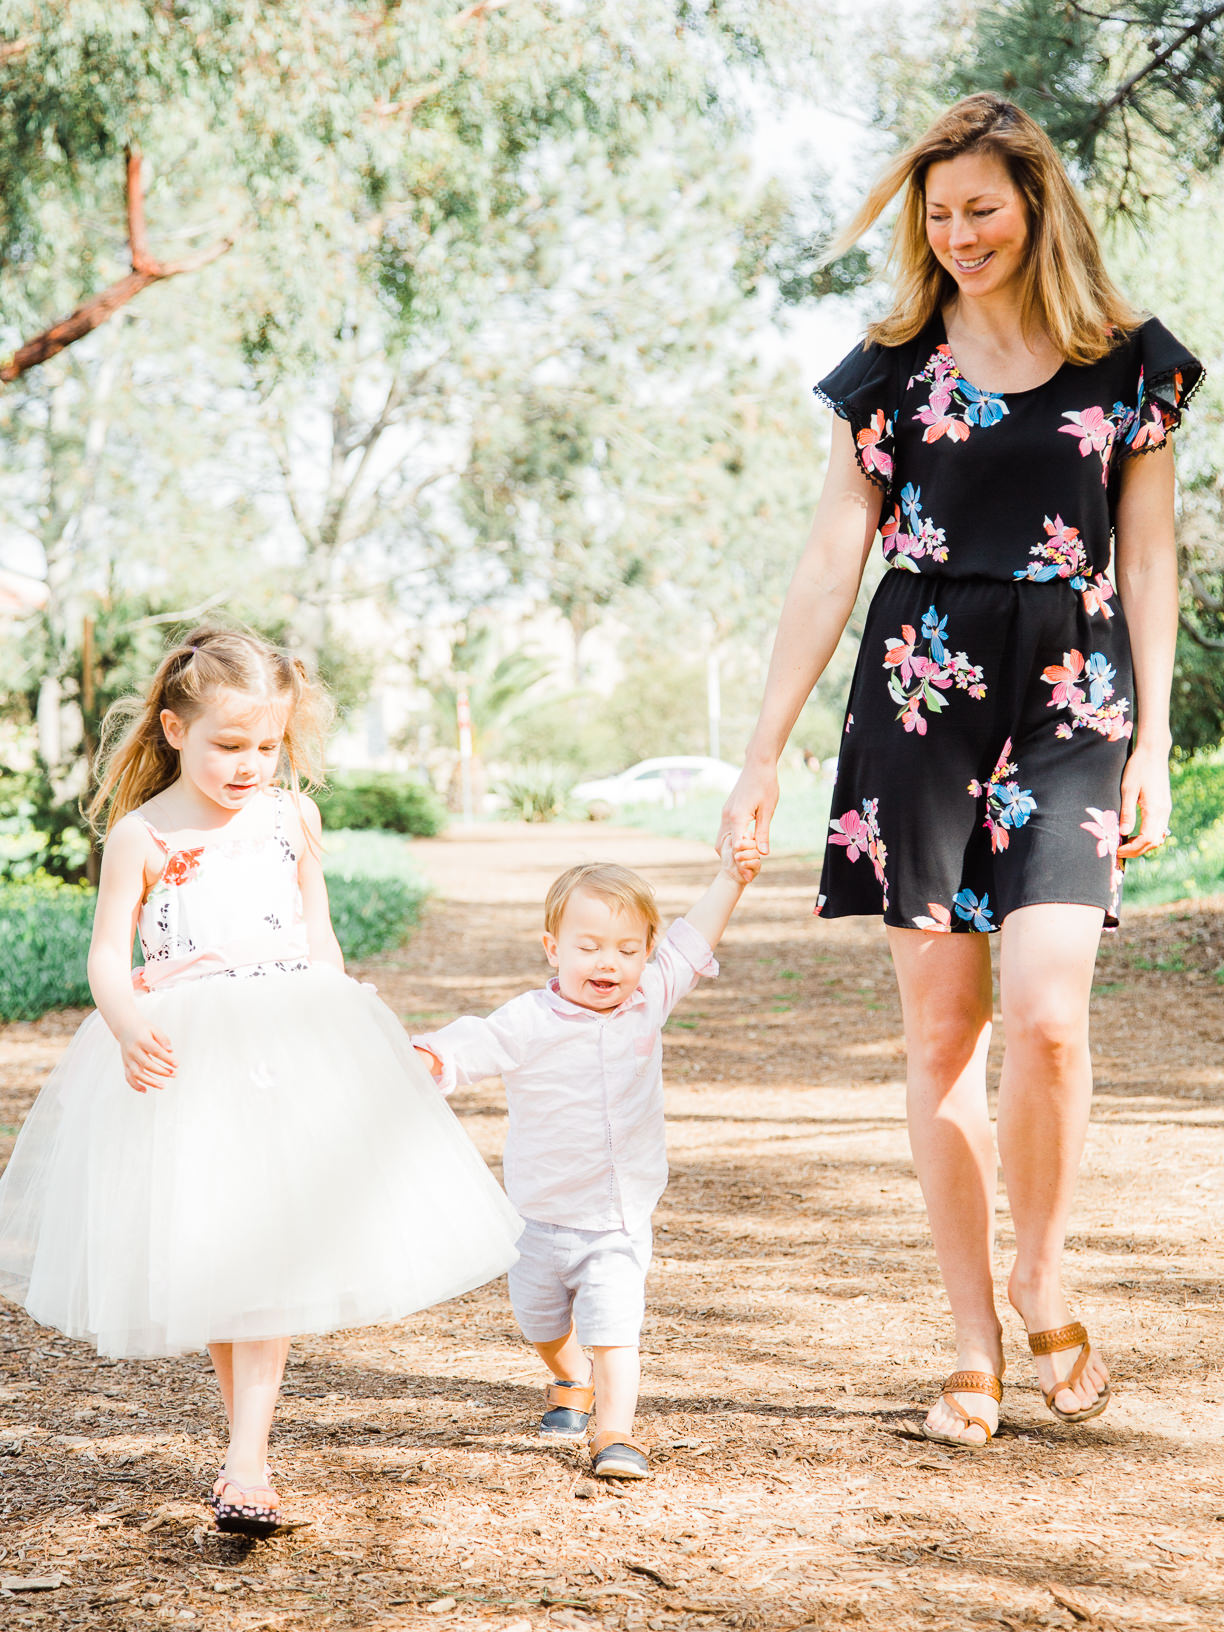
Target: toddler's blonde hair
{"x": 135, "y": 762}
{"x": 609, "y": 882}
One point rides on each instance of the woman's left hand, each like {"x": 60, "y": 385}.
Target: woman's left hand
{"x": 1146, "y": 797}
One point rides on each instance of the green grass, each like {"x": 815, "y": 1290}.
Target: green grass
{"x": 376, "y": 897}
{"x": 1191, "y": 863}
{"x": 798, "y": 828}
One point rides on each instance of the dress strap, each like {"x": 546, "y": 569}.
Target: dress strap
{"x": 157, "y": 838}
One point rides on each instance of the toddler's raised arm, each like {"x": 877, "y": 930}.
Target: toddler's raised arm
{"x": 712, "y": 913}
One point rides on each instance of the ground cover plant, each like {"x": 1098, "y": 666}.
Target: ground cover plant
{"x": 376, "y": 896}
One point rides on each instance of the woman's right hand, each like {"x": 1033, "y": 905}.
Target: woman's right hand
{"x": 148, "y": 1059}
{"x": 750, "y": 807}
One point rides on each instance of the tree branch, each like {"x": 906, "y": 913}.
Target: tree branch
{"x": 99, "y": 307}
{"x": 1194, "y": 30}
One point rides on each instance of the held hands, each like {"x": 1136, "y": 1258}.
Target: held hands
{"x": 746, "y": 817}
{"x": 148, "y": 1059}
{"x": 1146, "y": 793}
{"x": 742, "y": 861}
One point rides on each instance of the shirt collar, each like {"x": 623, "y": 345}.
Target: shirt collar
{"x": 578, "y": 1011}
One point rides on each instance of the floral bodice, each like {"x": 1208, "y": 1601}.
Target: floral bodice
{"x": 1007, "y": 485}
{"x": 231, "y": 907}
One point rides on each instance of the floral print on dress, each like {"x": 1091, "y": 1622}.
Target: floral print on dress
{"x": 924, "y": 539}
{"x": 1084, "y": 687}
{"x": 1106, "y": 830}
{"x": 1008, "y": 805}
{"x": 917, "y": 680}
{"x": 860, "y": 836}
{"x": 1061, "y": 554}
{"x": 872, "y": 450}
{"x": 975, "y": 912}
{"x": 953, "y": 406}
{"x": 940, "y": 921}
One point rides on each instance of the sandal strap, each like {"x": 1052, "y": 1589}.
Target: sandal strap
{"x": 1071, "y": 1336}
{"x": 974, "y": 1382}
{"x": 611, "y": 1437}
{"x": 571, "y": 1396}
{"x": 970, "y": 1422}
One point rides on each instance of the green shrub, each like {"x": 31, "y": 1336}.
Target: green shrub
{"x": 376, "y": 896}
{"x": 44, "y": 942}
{"x": 380, "y": 800}
{"x": 1191, "y": 863}
{"x": 535, "y": 793}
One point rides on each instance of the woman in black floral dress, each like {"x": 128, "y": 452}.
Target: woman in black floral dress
{"x": 1006, "y": 744}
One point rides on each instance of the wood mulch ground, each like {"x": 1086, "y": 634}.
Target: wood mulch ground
{"x": 795, "y": 1321}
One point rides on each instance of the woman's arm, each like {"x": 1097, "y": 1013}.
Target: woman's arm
{"x": 817, "y": 606}
{"x": 1145, "y": 563}
{"x": 148, "y": 1059}
{"x": 324, "y": 947}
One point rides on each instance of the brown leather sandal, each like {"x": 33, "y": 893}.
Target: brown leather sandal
{"x": 616, "y": 1456}
{"x": 967, "y": 1382}
{"x": 1054, "y": 1341}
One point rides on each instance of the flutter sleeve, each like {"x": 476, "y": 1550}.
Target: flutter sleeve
{"x": 1169, "y": 375}
{"x": 863, "y": 390}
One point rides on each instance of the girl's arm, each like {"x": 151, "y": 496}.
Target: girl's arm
{"x": 148, "y": 1059}
{"x": 324, "y": 947}
{"x": 1145, "y": 562}
{"x": 817, "y": 607}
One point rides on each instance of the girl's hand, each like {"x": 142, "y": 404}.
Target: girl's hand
{"x": 148, "y": 1059}
{"x": 748, "y": 812}
{"x": 1146, "y": 793}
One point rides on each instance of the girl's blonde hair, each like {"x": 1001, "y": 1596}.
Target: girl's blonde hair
{"x": 135, "y": 762}
{"x": 1066, "y": 287}
{"x": 620, "y": 888}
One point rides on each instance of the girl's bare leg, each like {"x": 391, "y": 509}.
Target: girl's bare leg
{"x": 256, "y": 1370}
{"x": 946, "y": 1002}
{"x": 1045, "y": 1090}
{"x": 222, "y": 1356}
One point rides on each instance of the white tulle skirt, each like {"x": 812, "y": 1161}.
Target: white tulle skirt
{"x": 300, "y": 1172}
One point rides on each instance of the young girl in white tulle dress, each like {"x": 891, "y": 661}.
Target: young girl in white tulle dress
{"x": 240, "y": 1145}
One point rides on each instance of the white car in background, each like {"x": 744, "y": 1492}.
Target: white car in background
{"x": 666, "y": 781}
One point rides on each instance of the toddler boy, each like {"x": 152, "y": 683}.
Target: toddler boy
{"x": 585, "y": 1160}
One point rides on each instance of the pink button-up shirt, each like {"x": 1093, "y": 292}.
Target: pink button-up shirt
{"x": 586, "y": 1146}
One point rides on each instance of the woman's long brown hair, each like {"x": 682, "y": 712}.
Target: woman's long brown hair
{"x": 1067, "y": 290}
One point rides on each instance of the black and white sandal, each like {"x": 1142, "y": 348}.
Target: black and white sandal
{"x": 245, "y": 1517}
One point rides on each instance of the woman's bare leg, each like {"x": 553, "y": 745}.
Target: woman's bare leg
{"x": 1045, "y": 1090}
{"x": 946, "y": 1001}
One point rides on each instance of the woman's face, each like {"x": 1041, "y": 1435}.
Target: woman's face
{"x": 976, "y": 222}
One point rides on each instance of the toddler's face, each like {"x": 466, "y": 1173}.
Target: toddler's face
{"x": 599, "y": 952}
{"x": 230, "y": 749}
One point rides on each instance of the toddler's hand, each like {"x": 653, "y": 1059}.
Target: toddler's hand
{"x": 741, "y": 859}
{"x": 431, "y": 1060}
{"x": 148, "y": 1059}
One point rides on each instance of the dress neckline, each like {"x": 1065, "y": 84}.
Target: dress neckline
{"x": 1005, "y": 396}
{"x": 276, "y": 796}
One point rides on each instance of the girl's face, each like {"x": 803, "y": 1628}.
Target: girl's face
{"x": 976, "y": 222}
{"x": 599, "y": 952}
{"x": 229, "y": 751}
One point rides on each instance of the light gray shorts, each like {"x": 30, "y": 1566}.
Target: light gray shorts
{"x": 592, "y": 1279}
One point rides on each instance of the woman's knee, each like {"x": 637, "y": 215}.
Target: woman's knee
{"x": 1048, "y": 1021}
{"x": 942, "y": 1042}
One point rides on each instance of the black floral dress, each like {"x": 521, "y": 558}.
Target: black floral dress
{"x": 990, "y": 714}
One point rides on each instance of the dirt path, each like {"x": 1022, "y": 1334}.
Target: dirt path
{"x": 795, "y": 1321}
